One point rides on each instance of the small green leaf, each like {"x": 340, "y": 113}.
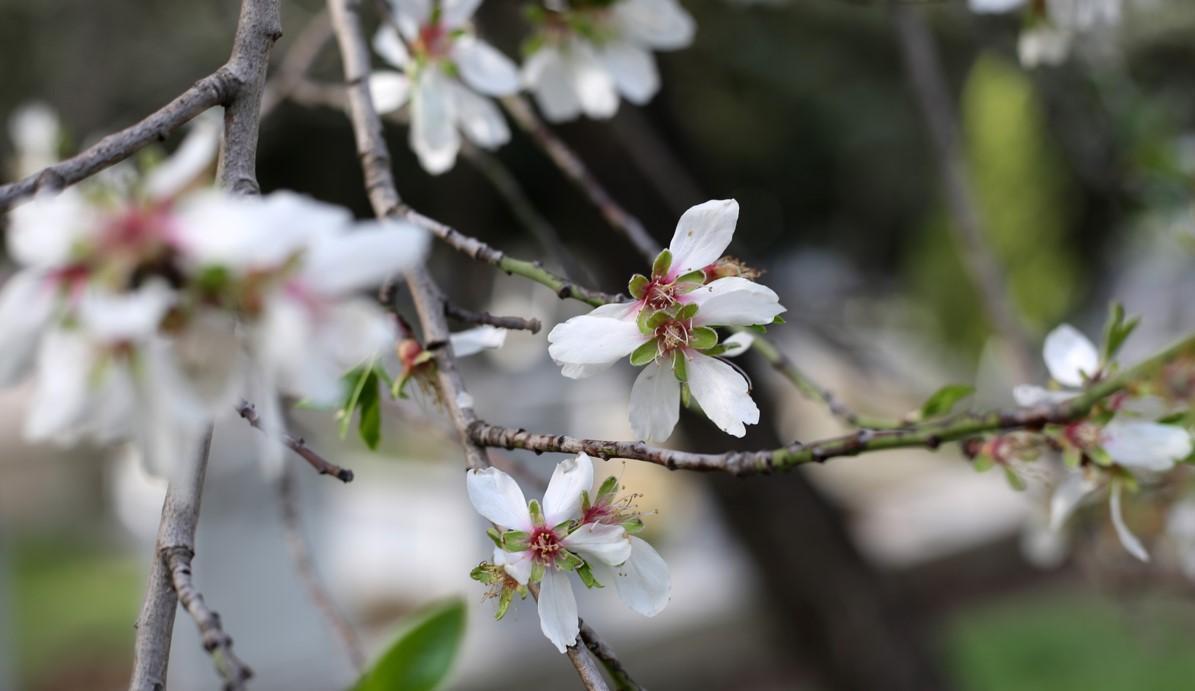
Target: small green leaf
{"x": 645, "y": 353}
{"x": 983, "y": 463}
{"x": 638, "y": 286}
{"x": 778, "y": 320}
{"x": 944, "y": 399}
{"x": 679, "y": 367}
{"x": 703, "y": 338}
{"x": 662, "y": 263}
{"x": 422, "y": 656}
{"x": 1117, "y": 330}
{"x": 369, "y": 423}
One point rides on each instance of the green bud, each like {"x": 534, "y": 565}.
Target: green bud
{"x": 645, "y": 353}
{"x": 662, "y": 263}
{"x": 638, "y": 286}
{"x": 703, "y": 338}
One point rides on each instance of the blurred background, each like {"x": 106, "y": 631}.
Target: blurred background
{"x": 897, "y": 570}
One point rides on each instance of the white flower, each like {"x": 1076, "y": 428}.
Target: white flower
{"x": 1071, "y": 358}
{"x": 1051, "y": 26}
{"x": 36, "y": 135}
{"x": 552, "y": 543}
{"x": 586, "y": 57}
{"x": 479, "y": 338}
{"x": 669, "y": 327}
{"x": 447, "y": 75}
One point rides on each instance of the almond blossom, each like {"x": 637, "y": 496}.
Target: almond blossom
{"x": 670, "y": 329}
{"x": 588, "y": 52}
{"x": 447, "y": 75}
{"x": 1072, "y": 360}
{"x": 569, "y": 531}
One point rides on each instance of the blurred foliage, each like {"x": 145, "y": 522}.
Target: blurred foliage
{"x": 422, "y": 655}
{"x": 1068, "y": 641}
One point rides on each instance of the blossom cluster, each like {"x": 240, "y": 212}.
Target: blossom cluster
{"x": 584, "y": 53}
{"x": 670, "y": 329}
{"x": 574, "y": 530}
{"x": 146, "y": 315}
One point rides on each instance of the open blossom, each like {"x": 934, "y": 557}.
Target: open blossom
{"x": 1072, "y": 360}
{"x": 1051, "y": 26}
{"x": 448, "y": 76}
{"x": 586, "y": 53}
{"x": 669, "y": 329}
{"x": 570, "y": 531}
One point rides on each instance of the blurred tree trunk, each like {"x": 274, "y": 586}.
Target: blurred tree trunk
{"x": 849, "y": 625}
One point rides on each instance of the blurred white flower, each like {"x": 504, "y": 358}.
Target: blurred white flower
{"x": 1051, "y": 25}
{"x": 583, "y": 57}
{"x": 36, "y": 135}
{"x": 1071, "y": 358}
{"x": 447, "y": 75}
{"x": 669, "y": 328}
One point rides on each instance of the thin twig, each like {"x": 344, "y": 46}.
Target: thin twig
{"x": 300, "y": 554}
{"x": 929, "y": 435}
{"x": 213, "y": 90}
{"x": 258, "y": 27}
{"x": 322, "y": 465}
{"x": 570, "y": 164}
{"x": 215, "y": 640}
{"x": 929, "y": 85}
{"x": 605, "y": 654}
{"x": 474, "y": 317}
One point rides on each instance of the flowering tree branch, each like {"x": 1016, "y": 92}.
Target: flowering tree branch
{"x": 605, "y": 654}
{"x": 322, "y": 465}
{"x": 928, "y": 435}
{"x": 258, "y": 27}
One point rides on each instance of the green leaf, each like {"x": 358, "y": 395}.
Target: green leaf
{"x": 637, "y": 287}
{"x": 703, "y": 338}
{"x": 662, "y": 263}
{"x": 645, "y": 353}
{"x": 944, "y": 399}
{"x": 1117, "y": 330}
{"x": 369, "y": 423}
{"x": 422, "y": 656}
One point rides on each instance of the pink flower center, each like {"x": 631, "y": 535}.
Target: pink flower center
{"x": 433, "y": 41}
{"x": 659, "y": 295}
{"x": 1082, "y": 435}
{"x": 138, "y": 231}
{"x": 673, "y": 335}
{"x": 597, "y": 513}
{"x": 545, "y": 545}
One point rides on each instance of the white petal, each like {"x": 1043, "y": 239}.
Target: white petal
{"x": 655, "y": 402}
{"x": 1069, "y": 355}
{"x": 516, "y": 564}
{"x": 211, "y": 357}
{"x": 983, "y": 6}
{"x": 735, "y": 301}
{"x": 633, "y": 69}
{"x": 389, "y": 90}
{"x": 702, "y": 235}
{"x": 616, "y": 310}
{"x": 341, "y": 264}
{"x": 496, "y": 496}
{"x": 1028, "y": 395}
{"x": 288, "y": 344}
{"x": 562, "y": 499}
{"x": 1130, "y": 542}
{"x": 592, "y": 83}
{"x": 389, "y": 45}
{"x": 644, "y": 584}
{"x": 587, "y": 340}
{"x": 355, "y": 332}
{"x": 1068, "y": 495}
{"x": 473, "y": 341}
{"x": 135, "y": 316}
{"x": 26, "y": 305}
{"x": 548, "y": 78}
{"x": 65, "y": 366}
{"x": 412, "y": 14}
{"x": 662, "y": 24}
{"x": 36, "y": 134}
{"x": 722, "y": 393}
{"x": 45, "y": 230}
{"x": 194, "y": 156}
{"x": 558, "y": 610}
{"x": 1043, "y": 44}
{"x": 1145, "y": 445}
{"x": 608, "y": 544}
{"x": 454, "y": 13}
{"x": 433, "y": 121}
{"x": 484, "y": 68}
{"x": 480, "y": 119}
{"x": 737, "y": 344}
{"x": 573, "y": 371}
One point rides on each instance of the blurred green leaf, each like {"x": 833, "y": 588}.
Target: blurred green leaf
{"x": 944, "y": 399}
{"x": 422, "y": 656}
{"x": 1117, "y": 330}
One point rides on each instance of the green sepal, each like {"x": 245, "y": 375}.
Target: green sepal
{"x": 703, "y": 338}
{"x": 515, "y": 541}
{"x": 484, "y": 573}
{"x": 717, "y": 351}
{"x": 633, "y": 525}
{"x": 567, "y": 561}
{"x": 645, "y": 353}
{"x": 586, "y": 504}
{"x": 1100, "y": 456}
{"x": 757, "y": 328}
{"x": 1014, "y": 480}
{"x": 692, "y": 280}
{"x": 657, "y": 319}
{"x": 607, "y": 490}
{"x": 662, "y": 263}
{"x": 537, "y": 513}
{"x": 686, "y": 312}
{"x": 1116, "y": 331}
{"x": 504, "y": 600}
{"x": 494, "y": 536}
{"x": 587, "y": 576}
{"x": 684, "y": 395}
{"x": 637, "y": 286}
{"x": 778, "y": 320}
{"x": 943, "y": 400}
{"x": 983, "y": 463}
{"x": 680, "y": 368}
{"x": 563, "y": 528}
{"x": 1072, "y": 457}
{"x": 537, "y": 572}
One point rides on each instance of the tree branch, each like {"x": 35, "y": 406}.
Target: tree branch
{"x": 213, "y": 90}
{"x": 928, "y": 435}
{"x": 474, "y": 317}
{"x": 258, "y": 26}
{"x": 605, "y": 655}
{"x": 322, "y": 465}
